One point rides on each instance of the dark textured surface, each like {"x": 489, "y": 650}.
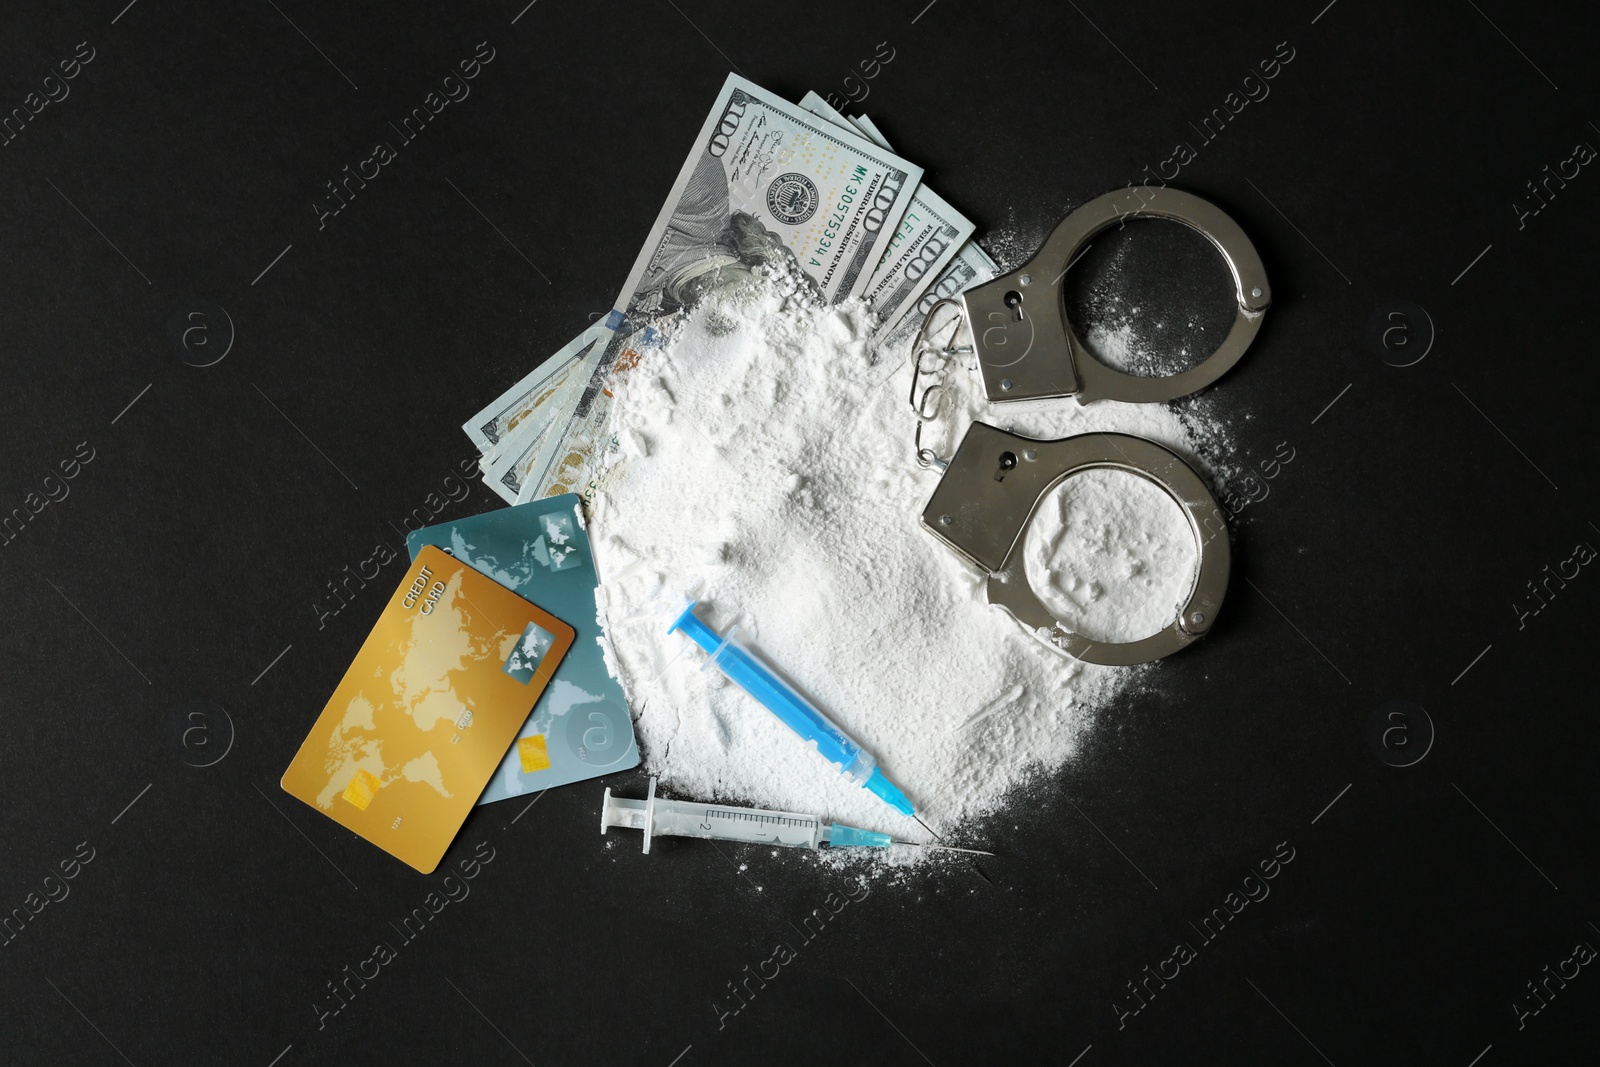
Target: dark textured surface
{"x": 188, "y": 555}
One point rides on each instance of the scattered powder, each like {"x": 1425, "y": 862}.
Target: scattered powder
{"x": 765, "y": 467}
{"x": 1118, "y": 347}
{"x": 1017, "y": 238}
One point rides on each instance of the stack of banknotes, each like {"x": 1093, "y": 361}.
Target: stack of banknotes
{"x": 769, "y": 186}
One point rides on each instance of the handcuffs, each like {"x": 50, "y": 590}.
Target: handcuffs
{"x": 1026, "y": 349}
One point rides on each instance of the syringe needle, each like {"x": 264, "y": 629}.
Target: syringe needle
{"x": 945, "y": 848}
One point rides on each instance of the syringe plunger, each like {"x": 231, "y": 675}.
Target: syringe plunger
{"x": 720, "y": 822}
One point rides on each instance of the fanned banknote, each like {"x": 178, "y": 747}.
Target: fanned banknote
{"x": 929, "y": 235}
{"x": 768, "y": 181}
{"x": 497, "y": 423}
{"x": 971, "y": 266}
{"x": 504, "y": 469}
{"x": 567, "y": 462}
{"x": 508, "y": 467}
{"x": 768, "y": 187}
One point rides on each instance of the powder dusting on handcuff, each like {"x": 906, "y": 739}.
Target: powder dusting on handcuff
{"x": 765, "y": 466}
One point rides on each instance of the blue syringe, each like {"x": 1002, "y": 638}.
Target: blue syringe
{"x": 747, "y": 671}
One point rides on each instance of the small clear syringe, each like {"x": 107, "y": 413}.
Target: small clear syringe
{"x": 657, "y": 816}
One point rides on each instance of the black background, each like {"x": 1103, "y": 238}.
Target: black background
{"x": 1388, "y": 555}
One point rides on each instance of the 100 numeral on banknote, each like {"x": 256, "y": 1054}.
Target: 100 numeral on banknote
{"x": 768, "y": 187}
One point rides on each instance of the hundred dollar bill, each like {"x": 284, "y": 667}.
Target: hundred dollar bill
{"x": 497, "y": 422}
{"x": 503, "y": 469}
{"x": 575, "y": 462}
{"x": 536, "y": 421}
{"x": 571, "y": 462}
{"x": 971, "y": 266}
{"x": 929, "y": 236}
{"x": 767, "y": 183}
{"x": 933, "y": 233}
{"x": 767, "y": 187}
{"x": 507, "y": 469}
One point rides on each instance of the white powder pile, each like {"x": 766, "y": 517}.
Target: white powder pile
{"x": 1110, "y": 553}
{"x": 766, "y": 468}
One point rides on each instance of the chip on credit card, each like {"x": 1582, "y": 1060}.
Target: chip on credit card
{"x": 580, "y": 728}
{"x": 428, "y": 709}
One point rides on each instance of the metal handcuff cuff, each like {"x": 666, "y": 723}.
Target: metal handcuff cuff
{"x": 1026, "y": 349}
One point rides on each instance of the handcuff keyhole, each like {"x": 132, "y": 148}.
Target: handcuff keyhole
{"x": 1014, "y": 301}
{"x": 1008, "y": 462}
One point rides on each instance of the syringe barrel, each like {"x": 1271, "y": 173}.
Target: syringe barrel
{"x": 765, "y": 684}
{"x": 752, "y": 826}
{"x": 658, "y": 816}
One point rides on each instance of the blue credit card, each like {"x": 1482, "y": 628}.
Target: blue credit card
{"x": 580, "y": 727}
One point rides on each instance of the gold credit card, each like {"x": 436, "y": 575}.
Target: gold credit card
{"x": 428, "y": 709}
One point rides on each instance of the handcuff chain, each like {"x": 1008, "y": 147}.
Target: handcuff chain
{"x": 929, "y": 404}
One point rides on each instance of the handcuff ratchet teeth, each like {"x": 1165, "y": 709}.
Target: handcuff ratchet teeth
{"x": 1026, "y": 349}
